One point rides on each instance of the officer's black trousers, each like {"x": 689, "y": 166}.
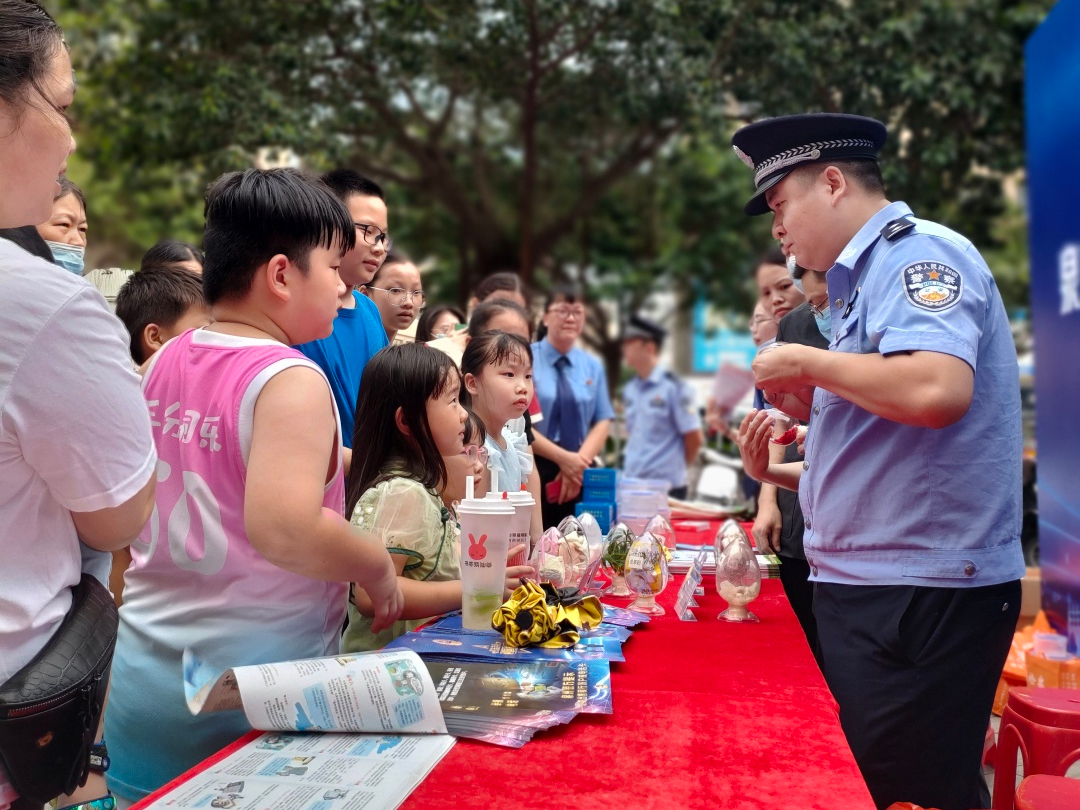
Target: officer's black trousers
{"x": 914, "y": 670}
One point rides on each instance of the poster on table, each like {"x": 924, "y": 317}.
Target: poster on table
{"x": 1053, "y": 130}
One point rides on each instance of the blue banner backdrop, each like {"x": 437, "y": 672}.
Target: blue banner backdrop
{"x": 1053, "y": 132}
{"x": 715, "y": 343}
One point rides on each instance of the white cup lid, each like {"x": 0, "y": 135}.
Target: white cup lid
{"x": 486, "y": 506}
{"x": 521, "y": 498}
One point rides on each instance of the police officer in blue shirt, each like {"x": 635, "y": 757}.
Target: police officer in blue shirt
{"x": 663, "y": 426}
{"x": 911, "y": 484}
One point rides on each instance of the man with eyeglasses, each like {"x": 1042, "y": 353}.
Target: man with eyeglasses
{"x": 358, "y": 330}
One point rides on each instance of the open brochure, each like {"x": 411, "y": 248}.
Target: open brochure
{"x": 311, "y": 772}
{"x": 372, "y": 692}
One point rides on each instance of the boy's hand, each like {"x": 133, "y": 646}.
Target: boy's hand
{"x": 386, "y": 599}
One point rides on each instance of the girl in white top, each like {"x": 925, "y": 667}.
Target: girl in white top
{"x": 497, "y": 369}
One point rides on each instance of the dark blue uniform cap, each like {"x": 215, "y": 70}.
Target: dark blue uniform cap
{"x": 639, "y": 327}
{"x": 773, "y": 148}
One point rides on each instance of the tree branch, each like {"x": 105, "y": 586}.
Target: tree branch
{"x": 642, "y": 147}
{"x": 577, "y": 47}
{"x": 437, "y": 131}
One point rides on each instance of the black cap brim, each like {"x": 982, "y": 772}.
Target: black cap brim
{"x": 757, "y": 205}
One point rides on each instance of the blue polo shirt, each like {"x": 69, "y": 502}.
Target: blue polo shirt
{"x": 587, "y": 378}
{"x": 659, "y": 412}
{"x": 358, "y": 334}
{"x": 891, "y": 504}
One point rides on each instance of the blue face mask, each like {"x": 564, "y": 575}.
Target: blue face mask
{"x": 70, "y": 257}
{"x": 824, "y": 324}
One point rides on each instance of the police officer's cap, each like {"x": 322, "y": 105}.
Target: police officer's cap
{"x": 639, "y": 327}
{"x": 773, "y": 148}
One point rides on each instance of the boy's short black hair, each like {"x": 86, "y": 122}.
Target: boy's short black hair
{"x": 346, "y": 182}
{"x": 158, "y": 295}
{"x": 254, "y": 215}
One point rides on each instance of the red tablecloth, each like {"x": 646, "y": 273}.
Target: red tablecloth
{"x": 707, "y": 715}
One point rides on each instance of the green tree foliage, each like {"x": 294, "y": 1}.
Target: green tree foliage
{"x": 568, "y": 138}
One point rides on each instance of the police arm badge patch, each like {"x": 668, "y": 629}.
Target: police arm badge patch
{"x": 932, "y": 286}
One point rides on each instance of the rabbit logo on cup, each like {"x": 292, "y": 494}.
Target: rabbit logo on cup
{"x": 477, "y": 551}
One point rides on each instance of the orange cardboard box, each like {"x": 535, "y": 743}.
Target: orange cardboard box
{"x": 1016, "y": 667}
{"x": 1052, "y": 673}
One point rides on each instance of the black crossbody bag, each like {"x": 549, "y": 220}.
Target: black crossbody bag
{"x": 50, "y": 709}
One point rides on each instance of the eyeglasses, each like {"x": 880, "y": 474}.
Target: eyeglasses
{"x": 819, "y": 309}
{"x": 373, "y": 235}
{"x": 564, "y": 311}
{"x": 474, "y": 454}
{"x": 400, "y": 295}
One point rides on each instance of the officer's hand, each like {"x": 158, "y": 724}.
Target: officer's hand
{"x": 754, "y": 433}
{"x": 767, "y": 528}
{"x": 777, "y": 371}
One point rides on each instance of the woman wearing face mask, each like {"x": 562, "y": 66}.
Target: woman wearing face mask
{"x": 779, "y": 524}
{"x": 65, "y": 229}
{"x": 65, "y": 472}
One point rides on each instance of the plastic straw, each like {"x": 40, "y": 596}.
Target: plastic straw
{"x": 470, "y": 488}
{"x": 494, "y": 479}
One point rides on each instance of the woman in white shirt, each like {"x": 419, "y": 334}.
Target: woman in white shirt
{"x": 76, "y": 456}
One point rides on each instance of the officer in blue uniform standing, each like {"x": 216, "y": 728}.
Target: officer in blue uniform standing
{"x": 911, "y": 484}
{"x": 663, "y": 426}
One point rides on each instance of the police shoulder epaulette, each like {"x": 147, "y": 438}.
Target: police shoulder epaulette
{"x": 896, "y": 228}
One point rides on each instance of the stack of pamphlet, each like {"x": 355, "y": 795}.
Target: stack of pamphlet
{"x": 491, "y": 691}
{"x": 683, "y": 557}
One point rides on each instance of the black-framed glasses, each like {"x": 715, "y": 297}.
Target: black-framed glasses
{"x": 373, "y": 235}
{"x": 564, "y": 311}
{"x": 401, "y": 295}
{"x": 818, "y": 310}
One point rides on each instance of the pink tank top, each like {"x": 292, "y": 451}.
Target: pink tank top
{"x": 195, "y": 580}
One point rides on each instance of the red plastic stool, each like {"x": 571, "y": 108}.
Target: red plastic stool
{"x": 1048, "y": 793}
{"x": 1044, "y": 725}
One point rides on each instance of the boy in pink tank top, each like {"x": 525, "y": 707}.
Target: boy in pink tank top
{"x": 247, "y": 557}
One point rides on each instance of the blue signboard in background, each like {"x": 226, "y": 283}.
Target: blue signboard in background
{"x": 716, "y": 343}
{"x": 1053, "y": 131}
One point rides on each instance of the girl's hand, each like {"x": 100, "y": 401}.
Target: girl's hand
{"x": 386, "y": 599}
{"x": 754, "y": 433}
{"x": 800, "y": 437}
{"x": 514, "y": 575}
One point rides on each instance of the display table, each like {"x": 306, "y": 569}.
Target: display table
{"x": 707, "y": 715}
